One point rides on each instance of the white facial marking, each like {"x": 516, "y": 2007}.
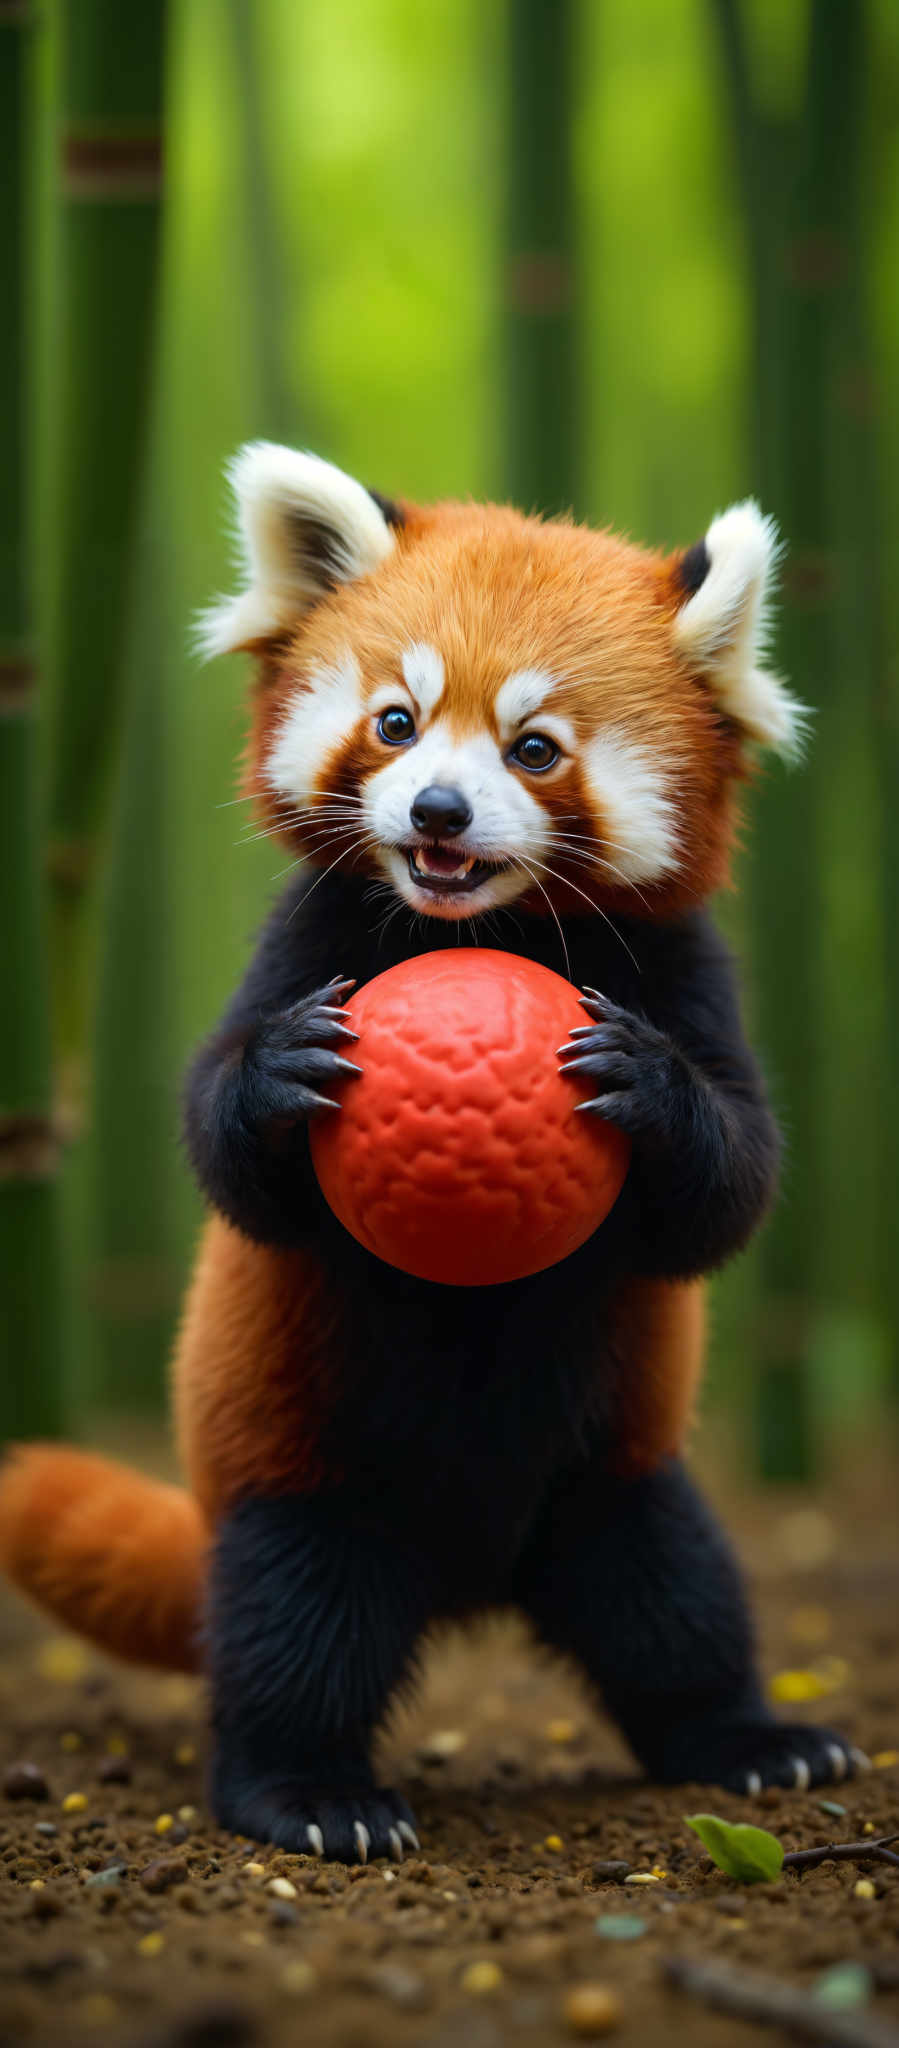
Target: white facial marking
{"x": 318, "y": 718}
{"x": 634, "y": 806}
{"x": 519, "y": 697}
{"x": 425, "y": 677}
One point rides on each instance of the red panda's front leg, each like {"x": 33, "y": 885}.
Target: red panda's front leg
{"x": 314, "y": 1614}
{"x": 250, "y": 1093}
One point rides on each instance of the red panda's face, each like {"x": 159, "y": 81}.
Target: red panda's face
{"x": 477, "y": 708}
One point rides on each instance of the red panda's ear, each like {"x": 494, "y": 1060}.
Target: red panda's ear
{"x": 303, "y": 526}
{"x": 720, "y": 629}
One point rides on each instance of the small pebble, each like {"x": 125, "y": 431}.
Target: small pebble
{"x": 75, "y": 1802}
{"x": 833, "y": 1807}
{"x": 297, "y": 1978}
{"x": 151, "y": 1944}
{"x": 46, "y": 1827}
{"x": 114, "y": 1769}
{"x": 187, "y": 1814}
{"x": 554, "y": 1844}
{"x": 843, "y": 1988}
{"x": 591, "y": 2009}
{"x": 620, "y": 1926}
{"x": 162, "y": 1872}
{"x": 612, "y": 1872}
{"x": 444, "y": 1742}
{"x": 641, "y": 1877}
{"x": 107, "y": 1879}
{"x": 868, "y": 1828}
{"x": 282, "y": 1888}
{"x": 162, "y": 1823}
{"x": 25, "y": 1781}
{"x": 864, "y": 1889}
{"x": 482, "y": 1979}
{"x": 255, "y": 1869}
{"x": 282, "y": 1914}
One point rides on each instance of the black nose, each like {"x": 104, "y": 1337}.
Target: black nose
{"x": 441, "y": 812}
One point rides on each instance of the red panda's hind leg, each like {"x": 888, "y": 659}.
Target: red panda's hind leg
{"x": 315, "y": 1612}
{"x": 635, "y": 1579}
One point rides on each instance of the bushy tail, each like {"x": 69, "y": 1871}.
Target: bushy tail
{"x": 112, "y": 1554}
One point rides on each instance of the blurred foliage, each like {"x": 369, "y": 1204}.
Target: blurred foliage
{"x": 333, "y": 273}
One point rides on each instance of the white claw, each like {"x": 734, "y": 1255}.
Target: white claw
{"x": 362, "y": 1840}
{"x": 316, "y": 1839}
{"x": 802, "y": 1776}
{"x": 396, "y": 1847}
{"x": 861, "y": 1760}
{"x": 753, "y": 1784}
{"x": 408, "y": 1834}
{"x": 838, "y": 1763}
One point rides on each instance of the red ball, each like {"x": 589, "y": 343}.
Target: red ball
{"x": 457, "y": 1154}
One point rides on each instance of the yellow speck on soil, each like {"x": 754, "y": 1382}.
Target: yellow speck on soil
{"x": 116, "y": 1745}
{"x": 282, "y": 1888}
{"x": 883, "y": 1759}
{"x": 62, "y": 1660}
{"x": 162, "y": 1823}
{"x": 151, "y": 1944}
{"x": 446, "y": 1742}
{"x": 864, "y": 1889}
{"x": 590, "y": 2010}
{"x": 789, "y": 1687}
{"x": 74, "y": 1802}
{"x": 187, "y": 1814}
{"x": 554, "y": 1844}
{"x": 254, "y": 1869}
{"x": 71, "y": 1741}
{"x": 480, "y": 1980}
{"x": 560, "y": 1730}
{"x": 298, "y": 1978}
{"x": 185, "y": 1754}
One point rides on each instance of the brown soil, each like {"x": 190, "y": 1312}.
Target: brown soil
{"x": 521, "y": 1790}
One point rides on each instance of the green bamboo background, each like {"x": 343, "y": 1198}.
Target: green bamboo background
{"x": 636, "y": 258}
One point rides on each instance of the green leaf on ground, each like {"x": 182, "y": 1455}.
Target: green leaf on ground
{"x": 741, "y": 1851}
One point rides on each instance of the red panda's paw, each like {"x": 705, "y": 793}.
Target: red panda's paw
{"x": 350, "y": 1827}
{"x": 293, "y": 1062}
{"x": 745, "y": 1758}
{"x": 637, "y": 1077}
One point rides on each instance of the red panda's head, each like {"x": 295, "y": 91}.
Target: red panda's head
{"x": 476, "y": 706}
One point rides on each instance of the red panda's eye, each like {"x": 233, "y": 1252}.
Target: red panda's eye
{"x": 535, "y": 751}
{"x": 396, "y": 726}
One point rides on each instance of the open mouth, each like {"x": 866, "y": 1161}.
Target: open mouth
{"x": 447, "y": 870}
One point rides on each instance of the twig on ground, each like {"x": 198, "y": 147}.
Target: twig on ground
{"x": 748, "y": 1995}
{"x": 875, "y": 1851}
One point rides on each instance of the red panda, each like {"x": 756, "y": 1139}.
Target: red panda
{"x": 462, "y": 718}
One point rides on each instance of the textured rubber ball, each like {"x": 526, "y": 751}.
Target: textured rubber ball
{"x": 457, "y": 1154}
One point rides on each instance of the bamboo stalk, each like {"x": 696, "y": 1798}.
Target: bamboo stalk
{"x": 790, "y": 176}
{"x": 540, "y": 363}
{"x": 266, "y": 257}
{"x": 110, "y": 173}
{"x": 33, "y": 1397}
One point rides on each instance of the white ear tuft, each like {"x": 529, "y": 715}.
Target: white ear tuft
{"x": 303, "y": 526}
{"x": 722, "y": 627}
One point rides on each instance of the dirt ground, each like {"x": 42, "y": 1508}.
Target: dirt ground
{"x": 128, "y": 1918}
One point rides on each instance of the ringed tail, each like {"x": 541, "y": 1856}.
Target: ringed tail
{"x": 116, "y": 1556}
